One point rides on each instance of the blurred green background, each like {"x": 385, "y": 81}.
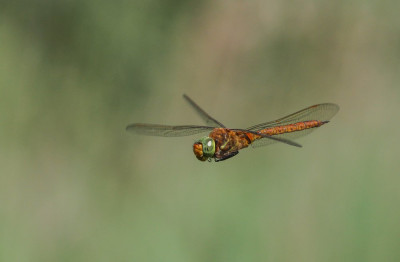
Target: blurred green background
{"x": 75, "y": 186}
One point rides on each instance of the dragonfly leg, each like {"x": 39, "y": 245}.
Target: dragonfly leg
{"x": 227, "y": 156}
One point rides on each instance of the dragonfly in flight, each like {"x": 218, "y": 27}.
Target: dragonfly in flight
{"x": 223, "y": 143}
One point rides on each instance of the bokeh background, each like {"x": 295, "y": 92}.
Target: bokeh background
{"x": 75, "y": 186}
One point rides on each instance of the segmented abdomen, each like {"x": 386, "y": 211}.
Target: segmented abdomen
{"x": 277, "y": 130}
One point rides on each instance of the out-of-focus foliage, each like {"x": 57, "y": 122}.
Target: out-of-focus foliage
{"x": 74, "y": 186}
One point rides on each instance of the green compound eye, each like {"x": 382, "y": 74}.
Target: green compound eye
{"x": 208, "y": 146}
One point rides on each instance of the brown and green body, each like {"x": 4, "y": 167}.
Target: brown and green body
{"x": 228, "y": 142}
{"x": 223, "y": 143}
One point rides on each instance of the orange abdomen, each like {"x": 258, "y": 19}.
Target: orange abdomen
{"x": 277, "y": 130}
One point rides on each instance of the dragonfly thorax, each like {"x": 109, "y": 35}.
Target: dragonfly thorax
{"x": 204, "y": 148}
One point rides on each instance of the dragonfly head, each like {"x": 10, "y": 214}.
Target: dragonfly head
{"x": 204, "y": 148}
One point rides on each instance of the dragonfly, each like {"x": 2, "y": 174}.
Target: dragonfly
{"x": 223, "y": 143}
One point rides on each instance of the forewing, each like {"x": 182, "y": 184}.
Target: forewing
{"x": 320, "y": 112}
{"x": 206, "y": 117}
{"x": 167, "y": 131}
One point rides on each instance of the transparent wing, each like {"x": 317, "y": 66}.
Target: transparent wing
{"x": 320, "y": 112}
{"x": 167, "y": 131}
{"x": 273, "y": 139}
{"x": 206, "y": 117}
